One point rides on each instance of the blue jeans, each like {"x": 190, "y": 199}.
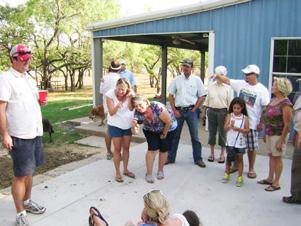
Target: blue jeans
{"x": 191, "y": 119}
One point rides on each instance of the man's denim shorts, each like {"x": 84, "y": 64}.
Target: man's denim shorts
{"x": 27, "y": 154}
{"x": 114, "y": 131}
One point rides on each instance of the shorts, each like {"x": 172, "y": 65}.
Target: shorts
{"x": 232, "y": 152}
{"x": 155, "y": 143}
{"x": 252, "y": 140}
{"x": 114, "y": 131}
{"x": 27, "y": 155}
{"x": 271, "y": 146}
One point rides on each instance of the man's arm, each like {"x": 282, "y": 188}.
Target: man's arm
{"x": 197, "y": 104}
{"x": 223, "y": 79}
{"x": 7, "y": 140}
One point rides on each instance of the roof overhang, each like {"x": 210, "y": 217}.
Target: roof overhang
{"x": 179, "y": 11}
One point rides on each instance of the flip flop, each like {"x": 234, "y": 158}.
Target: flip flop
{"x": 129, "y": 174}
{"x": 272, "y": 188}
{"x": 98, "y": 214}
{"x": 252, "y": 175}
{"x": 210, "y": 158}
{"x": 119, "y": 179}
{"x": 221, "y": 160}
{"x": 264, "y": 181}
{"x": 149, "y": 179}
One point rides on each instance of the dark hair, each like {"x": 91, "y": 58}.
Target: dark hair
{"x": 241, "y": 103}
{"x": 192, "y": 218}
{"x": 114, "y": 66}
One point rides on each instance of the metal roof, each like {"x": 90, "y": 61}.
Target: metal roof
{"x": 179, "y": 11}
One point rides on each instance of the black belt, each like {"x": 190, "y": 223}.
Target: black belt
{"x": 185, "y": 108}
{"x": 218, "y": 109}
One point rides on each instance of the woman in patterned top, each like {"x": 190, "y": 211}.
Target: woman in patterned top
{"x": 277, "y": 118}
{"x": 159, "y": 126}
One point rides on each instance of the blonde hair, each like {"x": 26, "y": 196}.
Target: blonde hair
{"x": 139, "y": 98}
{"x": 284, "y": 85}
{"x": 156, "y": 206}
{"x": 123, "y": 81}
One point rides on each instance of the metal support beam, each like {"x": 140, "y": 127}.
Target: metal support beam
{"x": 97, "y": 65}
{"x": 202, "y": 69}
{"x": 164, "y": 74}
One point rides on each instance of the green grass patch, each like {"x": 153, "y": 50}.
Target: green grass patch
{"x": 57, "y": 111}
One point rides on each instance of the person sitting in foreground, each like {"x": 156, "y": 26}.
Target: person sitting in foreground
{"x": 95, "y": 218}
{"x": 192, "y": 218}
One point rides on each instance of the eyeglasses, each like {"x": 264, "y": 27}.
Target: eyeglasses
{"x": 24, "y": 52}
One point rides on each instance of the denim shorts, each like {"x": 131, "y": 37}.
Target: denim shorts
{"x": 155, "y": 143}
{"x": 233, "y": 151}
{"x": 27, "y": 154}
{"x": 114, "y": 131}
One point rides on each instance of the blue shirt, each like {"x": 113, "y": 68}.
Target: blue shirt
{"x": 129, "y": 76}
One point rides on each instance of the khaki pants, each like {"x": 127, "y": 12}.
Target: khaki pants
{"x": 296, "y": 174}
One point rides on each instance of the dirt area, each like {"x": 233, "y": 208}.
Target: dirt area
{"x": 55, "y": 155}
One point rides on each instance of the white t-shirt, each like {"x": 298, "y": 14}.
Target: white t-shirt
{"x": 109, "y": 82}
{"x": 256, "y": 97}
{"x": 23, "y": 112}
{"x": 123, "y": 117}
{"x": 181, "y": 218}
{"x": 234, "y": 138}
{"x": 186, "y": 91}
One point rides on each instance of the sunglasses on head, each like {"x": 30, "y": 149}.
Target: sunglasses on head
{"x": 24, "y": 52}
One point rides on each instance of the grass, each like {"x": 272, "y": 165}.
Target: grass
{"x": 56, "y": 111}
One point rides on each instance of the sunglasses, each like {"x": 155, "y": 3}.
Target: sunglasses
{"x": 24, "y": 52}
{"x": 249, "y": 74}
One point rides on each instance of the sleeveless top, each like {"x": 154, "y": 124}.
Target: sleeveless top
{"x": 273, "y": 118}
{"x": 156, "y": 125}
{"x": 235, "y": 138}
{"x": 123, "y": 117}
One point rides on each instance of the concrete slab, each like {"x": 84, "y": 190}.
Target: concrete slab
{"x": 95, "y": 141}
{"x": 68, "y": 197}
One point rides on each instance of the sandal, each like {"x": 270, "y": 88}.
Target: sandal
{"x": 210, "y": 158}
{"x": 129, "y": 174}
{"x": 272, "y": 188}
{"x": 221, "y": 160}
{"x": 252, "y": 175}
{"x": 149, "y": 179}
{"x": 291, "y": 200}
{"x": 91, "y": 223}
{"x": 160, "y": 175}
{"x": 119, "y": 179}
{"x": 264, "y": 181}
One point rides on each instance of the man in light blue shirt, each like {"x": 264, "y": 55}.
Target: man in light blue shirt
{"x": 186, "y": 93}
{"x": 125, "y": 73}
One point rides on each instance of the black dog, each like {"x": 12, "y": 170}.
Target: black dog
{"x": 47, "y": 127}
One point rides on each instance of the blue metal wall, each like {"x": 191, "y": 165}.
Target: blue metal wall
{"x": 243, "y": 32}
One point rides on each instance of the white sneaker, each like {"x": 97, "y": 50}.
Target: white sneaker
{"x": 21, "y": 220}
{"x": 34, "y": 208}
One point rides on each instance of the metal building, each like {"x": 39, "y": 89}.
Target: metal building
{"x": 234, "y": 32}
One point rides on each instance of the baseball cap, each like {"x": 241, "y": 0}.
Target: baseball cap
{"x": 122, "y": 62}
{"x": 187, "y": 62}
{"x": 252, "y": 68}
{"x": 221, "y": 70}
{"x": 21, "y": 51}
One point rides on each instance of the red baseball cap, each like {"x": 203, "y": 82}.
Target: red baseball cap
{"x": 21, "y": 51}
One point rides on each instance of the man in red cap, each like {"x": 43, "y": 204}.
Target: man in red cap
{"x": 21, "y": 129}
